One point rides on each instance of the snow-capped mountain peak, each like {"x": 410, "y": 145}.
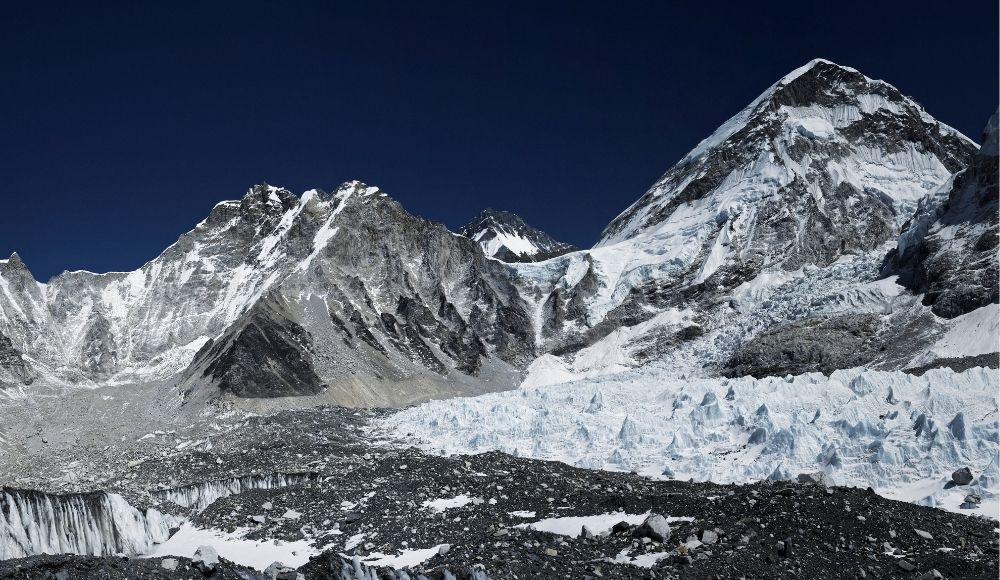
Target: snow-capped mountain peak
{"x": 825, "y": 151}
{"x": 505, "y": 236}
{"x": 812, "y": 178}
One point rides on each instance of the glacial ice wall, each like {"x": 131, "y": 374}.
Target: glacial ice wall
{"x": 98, "y": 524}
{"x": 199, "y": 496}
{"x": 898, "y": 433}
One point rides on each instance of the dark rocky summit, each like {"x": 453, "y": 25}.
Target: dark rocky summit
{"x": 388, "y": 297}
{"x": 494, "y": 230}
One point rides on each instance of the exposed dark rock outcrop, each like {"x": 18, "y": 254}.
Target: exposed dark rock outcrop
{"x": 809, "y": 346}
{"x": 949, "y": 249}
{"x": 267, "y": 354}
{"x": 12, "y": 365}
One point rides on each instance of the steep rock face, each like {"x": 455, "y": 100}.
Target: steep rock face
{"x": 376, "y": 298}
{"x": 265, "y": 354}
{"x": 282, "y": 296}
{"x": 505, "y": 236}
{"x": 826, "y": 161}
{"x": 949, "y": 250}
{"x": 124, "y": 326}
{"x": 13, "y": 369}
{"x": 429, "y": 280}
{"x": 823, "y": 163}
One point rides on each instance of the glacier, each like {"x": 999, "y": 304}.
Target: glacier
{"x": 898, "y": 433}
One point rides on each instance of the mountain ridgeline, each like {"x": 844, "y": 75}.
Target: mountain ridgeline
{"x": 824, "y": 186}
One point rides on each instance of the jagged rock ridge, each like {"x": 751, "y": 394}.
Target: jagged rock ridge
{"x": 347, "y": 298}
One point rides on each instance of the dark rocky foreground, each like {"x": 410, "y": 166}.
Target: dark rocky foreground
{"x": 369, "y": 497}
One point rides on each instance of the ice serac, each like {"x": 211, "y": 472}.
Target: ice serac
{"x": 899, "y": 433}
{"x": 803, "y": 190}
{"x": 505, "y": 236}
{"x": 97, "y": 524}
{"x": 948, "y": 252}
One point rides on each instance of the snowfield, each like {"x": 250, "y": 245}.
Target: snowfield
{"x": 236, "y": 548}
{"x": 901, "y": 434}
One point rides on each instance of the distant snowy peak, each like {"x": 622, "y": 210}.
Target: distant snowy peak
{"x": 825, "y": 132}
{"x": 505, "y": 236}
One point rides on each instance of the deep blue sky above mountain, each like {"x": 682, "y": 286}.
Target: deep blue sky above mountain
{"x": 124, "y": 123}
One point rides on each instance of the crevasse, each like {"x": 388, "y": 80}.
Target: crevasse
{"x": 98, "y": 524}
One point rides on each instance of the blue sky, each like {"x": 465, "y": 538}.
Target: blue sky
{"x": 126, "y": 122}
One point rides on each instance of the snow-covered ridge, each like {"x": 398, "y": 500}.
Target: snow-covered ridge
{"x": 98, "y": 524}
{"x": 826, "y": 166}
{"x": 899, "y": 433}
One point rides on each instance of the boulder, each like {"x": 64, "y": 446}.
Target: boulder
{"x": 962, "y": 476}
{"x": 655, "y": 528}
{"x": 815, "y": 478}
{"x": 620, "y": 528}
{"x": 278, "y": 571}
{"x": 205, "y": 559}
{"x": 971, "y": 501}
